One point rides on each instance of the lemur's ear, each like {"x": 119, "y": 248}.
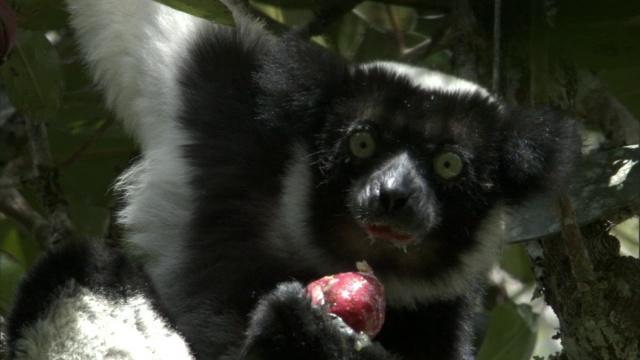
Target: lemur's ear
{"x": 540, "y": 151}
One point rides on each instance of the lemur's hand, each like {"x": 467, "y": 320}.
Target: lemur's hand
{"x": 287, "y": 325}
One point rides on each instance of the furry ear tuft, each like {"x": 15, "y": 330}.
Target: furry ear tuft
{"x": 540, "y": 152}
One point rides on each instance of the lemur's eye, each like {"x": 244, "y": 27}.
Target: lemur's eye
{"x": 448, "y": 165}
{"x": 362, "y": 144}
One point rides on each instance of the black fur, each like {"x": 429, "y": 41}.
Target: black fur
{"x": 88, "y": 264}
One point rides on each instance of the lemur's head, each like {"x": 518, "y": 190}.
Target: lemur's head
{"x": 415, "y": 170}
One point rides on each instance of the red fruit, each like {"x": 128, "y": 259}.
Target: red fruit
{"x": 8, "y": 29}
{"x": 356, "y": 297}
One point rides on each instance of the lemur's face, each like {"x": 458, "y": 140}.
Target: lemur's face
{"x": 414, "y": 170}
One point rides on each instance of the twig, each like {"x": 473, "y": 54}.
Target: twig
{"x": 396, "y": 29}
{"x": 439, "y": 40}
{"x": 435, "y": 5}
{"x": 465, "y": 48}
{"x": 604, "y": 111}
{"x": 14, "y": 205}
{"x": 88, "y": 143}
{"x": 47, "y": 182}
{"x": 38, "y": 144}
{"x": 497, "y": 21}
{"x": 539, "y": 58}
{"x": 581, "y": 266}
{"x": 576, "y": 251}
{"x": 10, "y": 183}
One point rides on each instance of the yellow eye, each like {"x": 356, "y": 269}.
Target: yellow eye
{"x": 362, "y": 144}
{"x": 448, "y": 165}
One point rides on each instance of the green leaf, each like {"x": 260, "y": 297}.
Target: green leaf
{"x": 580, "y": 11}
{"x": 23, "y": 249}
{"x": 82, "y": 103}
{"x": 386, "y": 18}
{"x": 33, "y": 76}
{"x": 291, "y": 4}
{"x": 605, "y": 183}
{"x": 350, "y": 35}
{"x": 41, "y": 14}
{"x": 603, "y": 45}
{"x": 212, "y": 10}
{"x": 90, "y": 166}
{"x": 377, "y": 46}
{"x": 623, "y": 83}
{"x": 511, "y": 334}
{"x": 11, "y": 272}
{"x": 516, "y": 262}
{"x": 289, "y": 16}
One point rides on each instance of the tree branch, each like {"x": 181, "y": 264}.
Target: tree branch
{"x": 393, "y": 20}
{"x": 497, "y": 21}
{"x": 581, "y": 266}
{"x": 539, "y": 56}
{"x": 15, "y": 206}
{"x": 466, "y": 48}
{"x": 10, "y": 183}
{"x": 47, "y": 184}
{"x": 604, "y": 111}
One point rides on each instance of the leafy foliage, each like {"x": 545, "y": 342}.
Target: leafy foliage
{"x": 511, "y": 333}
{"x": 43, "y": 79}
{"x": 33, "y": 76}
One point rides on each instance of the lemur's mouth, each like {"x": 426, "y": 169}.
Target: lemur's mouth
{"x": 389, "y": 232}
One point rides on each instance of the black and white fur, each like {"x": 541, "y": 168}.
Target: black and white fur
{"x": 87, "y": 301}
{"x": 247, "y": 187}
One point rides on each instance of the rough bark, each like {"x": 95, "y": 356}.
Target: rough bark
{"x": 599, "y": 317}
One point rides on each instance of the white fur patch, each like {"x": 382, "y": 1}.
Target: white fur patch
{"x": 290, "y": 231}
{"x": 83, "y": 325}
{"x": 431, "y": 79}
{"x": 158, "y": 205}
{"x": 135, "y": 49}
{"x": 402, "y": 292}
